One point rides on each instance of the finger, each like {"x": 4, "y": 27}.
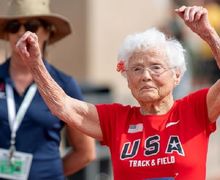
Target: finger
{"x": 180, "y": 11}
{"x": 32, "y": 40}
{"x": 200, "y": 13}
{"x": 34, "y": 49}
{"x": 22, "y": 41}
{"x": 21, "y": 45}
{"x": 28, "y": 43}
{"x": 186, "y": 14}
{"x": 24, "y": 37}
{"x": 22, "y": 50}
{"x": 192, "y": 13}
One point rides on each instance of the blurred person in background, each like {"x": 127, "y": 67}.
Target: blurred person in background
{"x": 162, "y": 138}
{"x": 28, "y": 130}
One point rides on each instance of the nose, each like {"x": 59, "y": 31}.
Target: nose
{"x": 146, "y": 75}
{"x": 21, "y": 30}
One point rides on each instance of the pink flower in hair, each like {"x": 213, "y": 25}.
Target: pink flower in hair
{"x": 121, "y": 66}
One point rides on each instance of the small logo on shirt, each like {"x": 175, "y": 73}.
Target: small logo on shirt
{"x": 134, "y": 128}
{"x": 172, "y": 123}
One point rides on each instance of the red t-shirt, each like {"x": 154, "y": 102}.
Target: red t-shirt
{"x": 172, "y": 146}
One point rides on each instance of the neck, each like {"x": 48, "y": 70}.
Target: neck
{"x": 17, "y": 65}
{"x": 20, "y": 74}
{"x": 157, "y": 108}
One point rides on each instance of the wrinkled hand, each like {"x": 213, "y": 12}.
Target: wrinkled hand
{"x": 196, "y": 18}
{"x": 28, "y": 48}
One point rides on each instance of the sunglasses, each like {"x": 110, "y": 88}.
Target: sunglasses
{"x": 33, "y": 26}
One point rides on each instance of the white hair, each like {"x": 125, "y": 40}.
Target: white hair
{"x": 152, "y": 38}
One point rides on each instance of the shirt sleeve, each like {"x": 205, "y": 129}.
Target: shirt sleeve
{"x": 112, "y": 118}
{"x": 105, "y": 116}
{"x": 199, "y": 105}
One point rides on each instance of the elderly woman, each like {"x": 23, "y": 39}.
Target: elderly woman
{"x": 161, "y": 139}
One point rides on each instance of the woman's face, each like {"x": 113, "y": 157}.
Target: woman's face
{"x": 149, "y": 76}
{"x": 16, "y": 28}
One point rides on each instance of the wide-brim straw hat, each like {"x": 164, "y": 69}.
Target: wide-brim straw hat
{"x": 19, "y": 9}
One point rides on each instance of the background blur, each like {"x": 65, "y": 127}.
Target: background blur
{"x": 90, "y": 53}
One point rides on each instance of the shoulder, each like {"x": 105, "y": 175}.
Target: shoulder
{"x": 115, "y": 108}
{"x": 194, "y": 103}
{"x": 195, "y": 96}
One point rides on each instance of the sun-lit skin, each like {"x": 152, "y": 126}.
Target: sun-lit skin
{"x": 154, "y": 93}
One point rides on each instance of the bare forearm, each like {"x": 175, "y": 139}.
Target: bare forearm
{"x": 74, "y": 112}
{"x": 213, "y": 40}
{"x": 74, "y": 162}
{"x": 52, "y": 94}
{"x": 70, "y": 167}
{"x": 82, "y": 151}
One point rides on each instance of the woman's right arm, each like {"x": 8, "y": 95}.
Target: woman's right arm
{"x": 75, "y": 113}
{"x": 81, "y": 115}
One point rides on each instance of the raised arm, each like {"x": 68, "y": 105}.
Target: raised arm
{"x": 196, "y": 18}
{"x": 75, "y": 113}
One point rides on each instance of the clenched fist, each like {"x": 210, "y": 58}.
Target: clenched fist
{"x": 196, "y": 18}
{"x": 28, "y": 48}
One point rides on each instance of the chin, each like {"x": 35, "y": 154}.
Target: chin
{"x": 148, "y": 98}
{"x": 148, "y": 93}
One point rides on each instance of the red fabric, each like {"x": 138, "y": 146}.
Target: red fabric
{"x": 169, "y": 145}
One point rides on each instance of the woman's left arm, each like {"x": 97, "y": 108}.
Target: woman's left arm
{"x": 82, "y": 151}
{"x": 196, "y": 18}
{"x": 213, "y": 96}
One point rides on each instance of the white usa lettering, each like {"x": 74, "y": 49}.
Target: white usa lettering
{"x": 151, "y": 147}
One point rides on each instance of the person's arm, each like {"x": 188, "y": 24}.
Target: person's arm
{"x": 196, "y": 18}
{"x": 75, "y": 113}
{"x": 82, "y": 151}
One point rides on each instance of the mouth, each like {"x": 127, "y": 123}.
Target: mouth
{"x": 148, "y": 88}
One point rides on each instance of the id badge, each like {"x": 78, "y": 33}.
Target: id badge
{"x": 17, "y": 168}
